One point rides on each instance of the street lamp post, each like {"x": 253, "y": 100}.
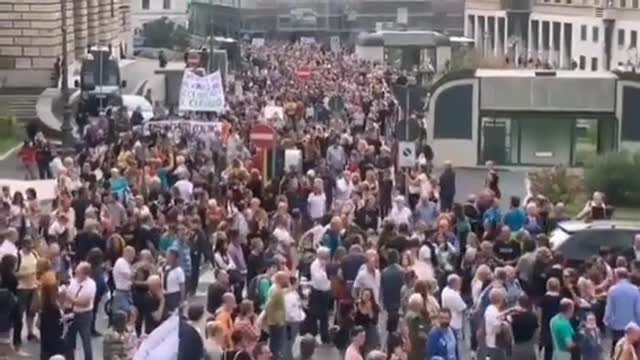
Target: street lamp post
{"x": 67, "y": 136}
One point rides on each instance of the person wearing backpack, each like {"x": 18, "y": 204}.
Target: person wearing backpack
{"x": 258, "y": 289}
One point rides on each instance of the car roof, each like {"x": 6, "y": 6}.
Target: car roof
{"x": 135, "y": 100}
{"x": 573, "y": 226}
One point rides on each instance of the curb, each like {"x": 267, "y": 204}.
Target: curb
{"x": 8, "y": 153}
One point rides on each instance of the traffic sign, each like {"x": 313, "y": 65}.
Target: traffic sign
{"x": 408, "y": 130}
{"x": 263, "y": 136}
{"x": 406, "y": 154}
{"x": 304, "y": 72}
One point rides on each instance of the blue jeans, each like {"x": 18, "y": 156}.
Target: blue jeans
{"x": 277, "y": 341}
{"x": 122, "y": 301}
{"x": 81, "y": 324}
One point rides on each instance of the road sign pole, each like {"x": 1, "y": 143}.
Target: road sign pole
{"x": 406, "y": 113}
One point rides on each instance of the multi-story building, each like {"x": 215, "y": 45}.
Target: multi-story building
{"x": 322, "y": 17}
{"x": 589, "y": 35}
{"x": 144, "y": 11}
{"x": 31, "y": 35}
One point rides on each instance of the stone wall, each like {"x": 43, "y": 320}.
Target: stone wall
{"x": 31, "y": 35}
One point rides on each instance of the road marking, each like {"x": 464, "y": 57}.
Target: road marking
{"x": 8, "y": 153}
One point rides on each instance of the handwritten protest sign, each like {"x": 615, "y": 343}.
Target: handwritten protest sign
{"x": 201, "y": 93}
{"x": 186, "y": 127}
{"x": 273, "y": 112}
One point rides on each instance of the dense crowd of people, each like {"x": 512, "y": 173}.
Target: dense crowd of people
{"x": 344, "y": 250}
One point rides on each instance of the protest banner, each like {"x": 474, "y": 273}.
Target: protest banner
{"x": 162, "y": 343}
{"x": 272, "y": 112}
{"x": 201, "y": 93}
{"x": 186, "y": 127}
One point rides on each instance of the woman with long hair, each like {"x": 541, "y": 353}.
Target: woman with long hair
{"x": 95, "y": 258}
{"x": 367, "y": 311}
{"x": 51, "y": 323}
{"x": 246, "y": 323}
{"x": 19, "y": 214}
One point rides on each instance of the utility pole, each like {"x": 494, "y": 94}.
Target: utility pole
{"x": 67, "y": 136}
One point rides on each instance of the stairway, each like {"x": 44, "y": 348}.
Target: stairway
{"x": 23, "y": 106}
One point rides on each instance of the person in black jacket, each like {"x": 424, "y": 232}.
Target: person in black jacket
{"x": 51, "y": 323}
{"x": 191, "y": 345}
{"x": 392, "y": 280}
{"x": 216, "y": 290}
{"x": 447, "y": 187}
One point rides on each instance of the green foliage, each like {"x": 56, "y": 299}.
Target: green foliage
{"x": 164, "y": 33}
{"x": 615, "y": 174}
{"x": 558, "y": 184}
{"x": 181, "y": 38}
{"x": 8, "y": 125}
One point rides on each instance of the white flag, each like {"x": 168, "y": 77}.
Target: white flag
{"x": 162, "y": 343}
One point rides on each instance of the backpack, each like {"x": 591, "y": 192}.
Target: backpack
{"x": 253, "y": 290}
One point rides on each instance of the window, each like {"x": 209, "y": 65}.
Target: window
{"x": 145, "y": 4}
{"x": 595, "y": 33}
{"x": 113, "y": 8}
{"x": 634, "y": 4}
{"x": 594, "y": 64}
{"x": 623, "y": 3}
{"x": 633, "y": 41}
{"x": 620, "y": 37}
{"x": 166, "y": 4}
{"x": 583, "y": 32}
{"x": 583, "y": 62}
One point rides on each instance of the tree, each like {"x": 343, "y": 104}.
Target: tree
{"x": 164, "y": 33}
{"x": 180, "y": 38}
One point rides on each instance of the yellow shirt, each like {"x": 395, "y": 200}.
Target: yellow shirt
{"x": 26, "y": 273}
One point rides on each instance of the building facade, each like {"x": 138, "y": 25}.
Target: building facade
{"x": 324, "y": 17}
{"x": 31, "y": 35}
{"x": 144, "y": 11}
{"x": 589, "y": 35}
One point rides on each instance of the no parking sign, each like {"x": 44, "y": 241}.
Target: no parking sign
{"x": 406, "y": 154}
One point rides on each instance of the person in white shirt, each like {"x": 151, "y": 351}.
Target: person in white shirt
{"x": 122, "y": 278}
{"x": 317, "y": 201}
{"x": 452, "y": 300}
{"x": 493, "y": 321}
{"x": 79, "y": 299}
{"x": 8, "y": 246}
{"x": 368, "y": 277}
{"x": 295, "y": 314}
{"x": 173, "y": 281}
{"x": 320, "y": 296}
{"x": 184, "y": 186}
{"x": 400, "y": 213}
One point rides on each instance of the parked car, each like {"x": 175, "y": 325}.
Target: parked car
{"x": 132, "y": 102}
{"x": 578, "y": 241}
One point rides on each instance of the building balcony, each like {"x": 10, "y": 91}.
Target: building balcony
{"x": 516, "y": 5}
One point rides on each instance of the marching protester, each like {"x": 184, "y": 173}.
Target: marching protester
{"x": 313, "y": 240}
